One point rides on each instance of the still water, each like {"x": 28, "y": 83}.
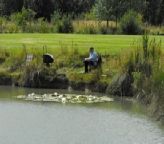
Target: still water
{"x": 119, "y": 122}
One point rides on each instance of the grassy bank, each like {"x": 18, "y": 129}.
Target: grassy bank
{"x": 69, "y": 51}
{"x": 130, "y": 64}
{"x": 110, "y": 44}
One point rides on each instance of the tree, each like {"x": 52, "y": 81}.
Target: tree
{"x": 8, "y": 7}
{"x": 135, "y": 5}
{"x": 161, "y": 14}
{"x": 43, "y": 8}
{"x": 74, "y": 7}
{"x": 109, "y": 10}
{"x": 154, "y": 12}
{"x": 1, "y": 8}
{"x": 115, "y": 9}
{"x": 25, "y": 15}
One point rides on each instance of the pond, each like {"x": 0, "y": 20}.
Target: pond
{"x": 118, "y": 122}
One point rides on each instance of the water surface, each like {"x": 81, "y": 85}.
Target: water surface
{"x": 118, "y": 122}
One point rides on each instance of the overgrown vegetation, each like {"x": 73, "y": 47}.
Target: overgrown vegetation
{"x": 67, "y": 61}
{"x": 146, "y": 60}
{"x": 54, "y": 16}
{"x": 146, "y": 65}
{"x": 152, "y": 11}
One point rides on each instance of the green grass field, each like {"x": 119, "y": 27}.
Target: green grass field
{"x": 110, "y": 44}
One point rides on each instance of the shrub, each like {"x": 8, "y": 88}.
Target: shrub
{"x": 31, "y": 27}
{"x": 64, "y": 25}
{"x": 11, "y": 28}
{"x": 90, "y": 15}
{"x": 131, "y": 23}
{"x": 42, "y": 26}
{"x": 21, "y": 18}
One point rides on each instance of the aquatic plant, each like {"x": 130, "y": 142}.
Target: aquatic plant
{"x": 65, "y": 98}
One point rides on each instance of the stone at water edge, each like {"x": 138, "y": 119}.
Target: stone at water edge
{"x": 121, "y": 85}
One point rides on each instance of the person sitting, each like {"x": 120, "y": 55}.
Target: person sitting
{"x": 92, "y": 60}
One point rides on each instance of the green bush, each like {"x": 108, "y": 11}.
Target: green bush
{"x": 64, "y": 25}
{"x": 90, "y": 15}
{"x": 11, "y": 28}
{"x": 42, "y": 26}
{"x": 131, "y": 23}
{"x": 21, "y": 18}
{"x": 31, "y": 27}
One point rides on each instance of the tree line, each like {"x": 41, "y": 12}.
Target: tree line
{"x": 151, "y": 10}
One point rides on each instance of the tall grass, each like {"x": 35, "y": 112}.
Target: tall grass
{"x": 64, "y": 25}
{"x": 145, "y": 64}
{"x": 93, "y": 27}
{"x": 22, "y": 22}
{"x": 155, "y": 30}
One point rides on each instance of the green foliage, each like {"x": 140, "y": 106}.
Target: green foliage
{"x": 42, "y": 8}
{"x": 11, "y": 28}
{"x": 103, "y": 10}
{"x": 146, "y": 58}
{"x": 151, "y": 49}
{"x": 158, "y": 79}
{"x": 90, "y": 9}
{"x": 90, "y": 15}
{"x": 64, "y": 25}
{"x": 115, "y": 9}
{"x": 22, "y": 18}
{"x": 42, "y": 26}
{"x": 131, "y": 23}
{"x": 154, "y": 12}
{"x": 8, "y": 27}
{"x": 7, "y": 7}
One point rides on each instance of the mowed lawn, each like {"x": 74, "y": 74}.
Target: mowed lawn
{"x": 111, "y": 44}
